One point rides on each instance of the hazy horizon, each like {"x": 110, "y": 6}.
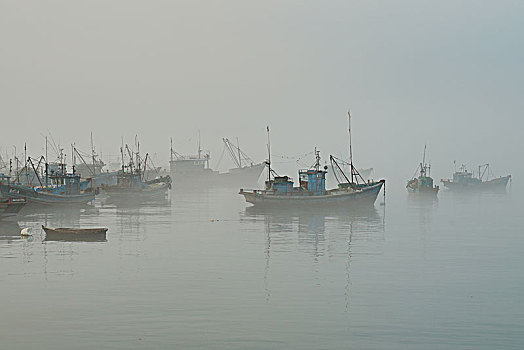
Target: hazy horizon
{"x": 444, "y": 74}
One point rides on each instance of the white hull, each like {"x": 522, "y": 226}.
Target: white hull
{"x": 237, "y": 177}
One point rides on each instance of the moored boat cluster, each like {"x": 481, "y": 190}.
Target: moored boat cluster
{"x": 40, "y": 182}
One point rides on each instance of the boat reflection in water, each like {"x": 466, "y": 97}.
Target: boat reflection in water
{"x": 314, "y": 224}
{"x": 137, "y": 201}
{"x": 330, "y": 237}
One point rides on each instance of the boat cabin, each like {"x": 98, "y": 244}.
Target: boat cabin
{"x": 133, "y": 179}
{"x": 464, "y": 176}
{"x": 63, "y": 184}
{"x": 425, "y": 181}
{"x": 313, "y": 181}
{"x": 280, "y": 184}
{"x": 189, "y": 164}
{"x": 55, "y": 169}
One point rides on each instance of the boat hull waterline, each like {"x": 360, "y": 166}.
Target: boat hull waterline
{"x": 336, "y": 198}
{"x": 494, "y": 184}
{"x": 40, "y": 197}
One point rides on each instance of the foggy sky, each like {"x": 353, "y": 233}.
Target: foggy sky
{"x": 445, "y": 73}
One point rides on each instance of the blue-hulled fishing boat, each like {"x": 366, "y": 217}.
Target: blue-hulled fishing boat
{"x": 57, "y": 188}
{"x": 280, "y": 191}
{"x": 130, "y": 182}
{"x": 423, "y": 184}
{"x": 93, "y": 172}
{"x": 311, "y": 190}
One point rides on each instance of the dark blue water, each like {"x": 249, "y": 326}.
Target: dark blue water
{"x": 200, "y": 271}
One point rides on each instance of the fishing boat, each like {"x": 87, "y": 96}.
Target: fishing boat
{"x": 245, "y": 172}
{"x": 466, "y": 180}
{"x": 423, "y": 184}
{"x": 92, "y": 170}
{"x": 74, "y": 234}
{"x": 57, "y": 188}
{"x": 130, "y": 182}
{"x": 280, "y": 191}
{"x": 11, "y": 206}
{"x": 195, "y": 169}
{"x": 311, "y": 190}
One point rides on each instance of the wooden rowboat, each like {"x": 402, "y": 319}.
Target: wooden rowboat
{"x": 75, "y": 234}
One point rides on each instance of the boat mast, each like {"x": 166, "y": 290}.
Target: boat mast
{"x": 239, "y": 158}
{"x": 423, "y": 165}
{"x": 93, "y": 155}
{"x": 199, "y": 150}
{"x": 268, "y": 156}
{"x": 122, "y": 153}
{"x": 25, "y": 156}
{"x": 171, "y": 154}
{"x": 73, "y": 159}
{"x": 424, "y": 157}
{"x": 138, "y": 160}
{"x": 350, "y": 147}
{"x": 317, "y": 160}
{"x": 46, "y": 165}
{"x": 62, "y": 160}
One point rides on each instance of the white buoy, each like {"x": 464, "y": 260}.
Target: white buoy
{"x": 26, "y": 232}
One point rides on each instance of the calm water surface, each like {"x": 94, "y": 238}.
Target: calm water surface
{"x": 201, "y": 271}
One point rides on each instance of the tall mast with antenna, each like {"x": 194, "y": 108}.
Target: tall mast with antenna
{"x": 268, "y": 156}
{"x": 122, "y": 154}
{"x": 350, "y": 146}
{"x": 25, "y": 166}
{"x": 46, "y": 165}
{"x": 317, "y": 160}
{"x": 73, "y": 158}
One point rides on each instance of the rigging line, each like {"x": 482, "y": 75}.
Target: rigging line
{"x": 292, "y": 157}
{"x": 231, "y": 149}
{"x": 153, "y": 165}
{"x": 221, "y": 156}
{"x": 55, "y": 147}
{"x": 415, "y": 173}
